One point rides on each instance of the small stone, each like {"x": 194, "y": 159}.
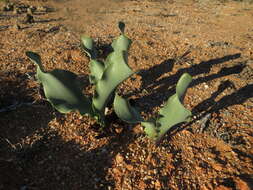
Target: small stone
{"x": 33, "y": 8}
{"x": 119, "y": 158}
{"x": 217, "y": 167}
{"x": 118, "y": 130}
{"x": 28, "y": 18}
{"x": 29, "y": 11}
{"x": 129, "y": 167}
{"x": 107, "y": 110}
{"x": 16, "y": 11}
{"x": 42, "y": 9}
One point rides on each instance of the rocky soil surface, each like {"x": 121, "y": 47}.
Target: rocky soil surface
{"x": 211, "y": 40}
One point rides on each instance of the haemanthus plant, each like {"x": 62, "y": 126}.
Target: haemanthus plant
{"x": 63, "y": 90}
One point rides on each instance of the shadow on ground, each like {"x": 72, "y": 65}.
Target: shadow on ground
{"x": 159, "y": 90}
{"x": 50, "y": 158}
{"x": 238, "y": 97}
{"x": 20, "y": 117}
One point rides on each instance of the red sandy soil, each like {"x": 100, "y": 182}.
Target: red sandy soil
{"x": 211, "y": 40}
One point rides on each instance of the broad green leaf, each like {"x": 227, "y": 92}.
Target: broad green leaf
{"x": 125, "y": 111}
{"x": 96, "y": 69}
{"x": 173, "y": 112}
{"x": 114, "y": 74}
{"x": 182, "y": 85}
{"x": 170, "y": 115}
{"x": 61, "y": 89}
{"x": 89, "y": 47}
{"x": 109, "y": 58}
{"x": 122, "y": 43}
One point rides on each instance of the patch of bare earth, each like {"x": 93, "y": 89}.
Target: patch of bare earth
{"x": 43, "y": 149}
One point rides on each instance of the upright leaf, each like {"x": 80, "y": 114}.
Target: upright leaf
{"x": 173, "y": 112}
{"x": 114, "y": 74}
{"x": 89, "y": 47}
{"x": 96, "y": 71}
{"x": 170, "y": 115}
{"x": 122, "y": 43}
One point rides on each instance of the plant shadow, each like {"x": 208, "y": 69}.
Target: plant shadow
{"x": 48, "y": 20}
{"x": 209, "y": 105}
{"x": 34, "y": 155}
{"x": 55, "y": 160}
{"x": 158, "y": 90}
{"x": 238, "y": 97}
{"x": 19, "y": 113}
{"x": 19, "y": 101}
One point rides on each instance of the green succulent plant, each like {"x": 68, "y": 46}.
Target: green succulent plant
{"x": 62, "y": 89}
{"x": 64, "y": 92}
{"x": 170, "y": 115}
